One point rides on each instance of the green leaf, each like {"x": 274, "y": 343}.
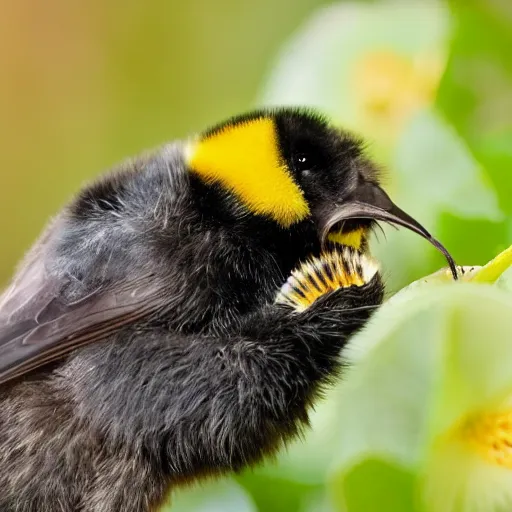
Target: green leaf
{"x": 475, "y": 91}
{"x": 385, "y": 399}
{"x": 218, "y": 496}
{"x": 437, "y": 170}
{"x": 269, "y": 490}
{"x": 375, "y": 485}
{"x": 477, "y": 367}
{"x": 491, "y": 272}
{"x": 472, "y": 241}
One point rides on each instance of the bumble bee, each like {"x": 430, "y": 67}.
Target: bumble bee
{"x": 178, "y": 318}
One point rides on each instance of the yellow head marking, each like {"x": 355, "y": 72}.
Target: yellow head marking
{"x": 245, "y": 159}
{"x": 352, "y": 238}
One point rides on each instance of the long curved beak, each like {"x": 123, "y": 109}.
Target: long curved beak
{"x": 369, "y": 201}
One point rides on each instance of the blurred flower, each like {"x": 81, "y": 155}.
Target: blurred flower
{"x": 369, "y": 66}
{"x": 471, "y": 465}
{"x": 390, "y": 87}
{"x": 429, "y": 395}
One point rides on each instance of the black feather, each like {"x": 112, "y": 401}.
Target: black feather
{"x": 140, "y": 345}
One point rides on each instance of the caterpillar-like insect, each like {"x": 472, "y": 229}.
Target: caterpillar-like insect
{"x": 339, "y": 268}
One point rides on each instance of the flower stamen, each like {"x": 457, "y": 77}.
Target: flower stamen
{"x": 491, "y": 435}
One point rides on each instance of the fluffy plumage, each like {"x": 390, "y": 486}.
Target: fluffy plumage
{"x": 158, "y": 354}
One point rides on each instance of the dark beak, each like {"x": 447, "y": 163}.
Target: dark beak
{"x": 369, "y": 201}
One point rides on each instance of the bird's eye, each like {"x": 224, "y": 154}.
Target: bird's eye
{"x": 308, "y": 157}
{"x": 303, "y": 162}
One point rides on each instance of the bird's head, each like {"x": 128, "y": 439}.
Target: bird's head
{"x": 291, "y": 168}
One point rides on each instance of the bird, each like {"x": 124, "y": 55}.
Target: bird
{"x": 179, "y": 317}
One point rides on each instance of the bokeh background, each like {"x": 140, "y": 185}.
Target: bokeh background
{"x": 427, "y": 83}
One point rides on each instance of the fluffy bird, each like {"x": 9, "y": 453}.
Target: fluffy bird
{"x": 178, "y": 318}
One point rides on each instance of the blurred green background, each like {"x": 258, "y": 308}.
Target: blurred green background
{"x": 427, "y": 83}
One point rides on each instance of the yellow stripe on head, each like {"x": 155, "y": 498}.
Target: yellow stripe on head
{"x": 244, "y": 158}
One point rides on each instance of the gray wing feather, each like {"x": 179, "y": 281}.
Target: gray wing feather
{"x": 38, "y": 326}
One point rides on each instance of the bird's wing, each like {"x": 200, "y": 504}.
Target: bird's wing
{"x": 37, "y": 326}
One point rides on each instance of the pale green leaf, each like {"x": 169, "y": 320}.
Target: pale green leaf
{"x": 218, "y": 496}
{"x": 505, "y": 280}
{"x": 375, "y": 485}
{"x": 385, "y": 399}
{"x": 420, "y": 368}
{"x": 478, "y": 360}
{"x": 437, "y": 170}
{"x": 475, "y": 91}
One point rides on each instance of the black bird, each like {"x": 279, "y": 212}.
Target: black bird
{"x": 147, "y": 339}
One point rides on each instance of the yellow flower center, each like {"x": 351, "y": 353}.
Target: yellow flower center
{"x": 491, "y": 435}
